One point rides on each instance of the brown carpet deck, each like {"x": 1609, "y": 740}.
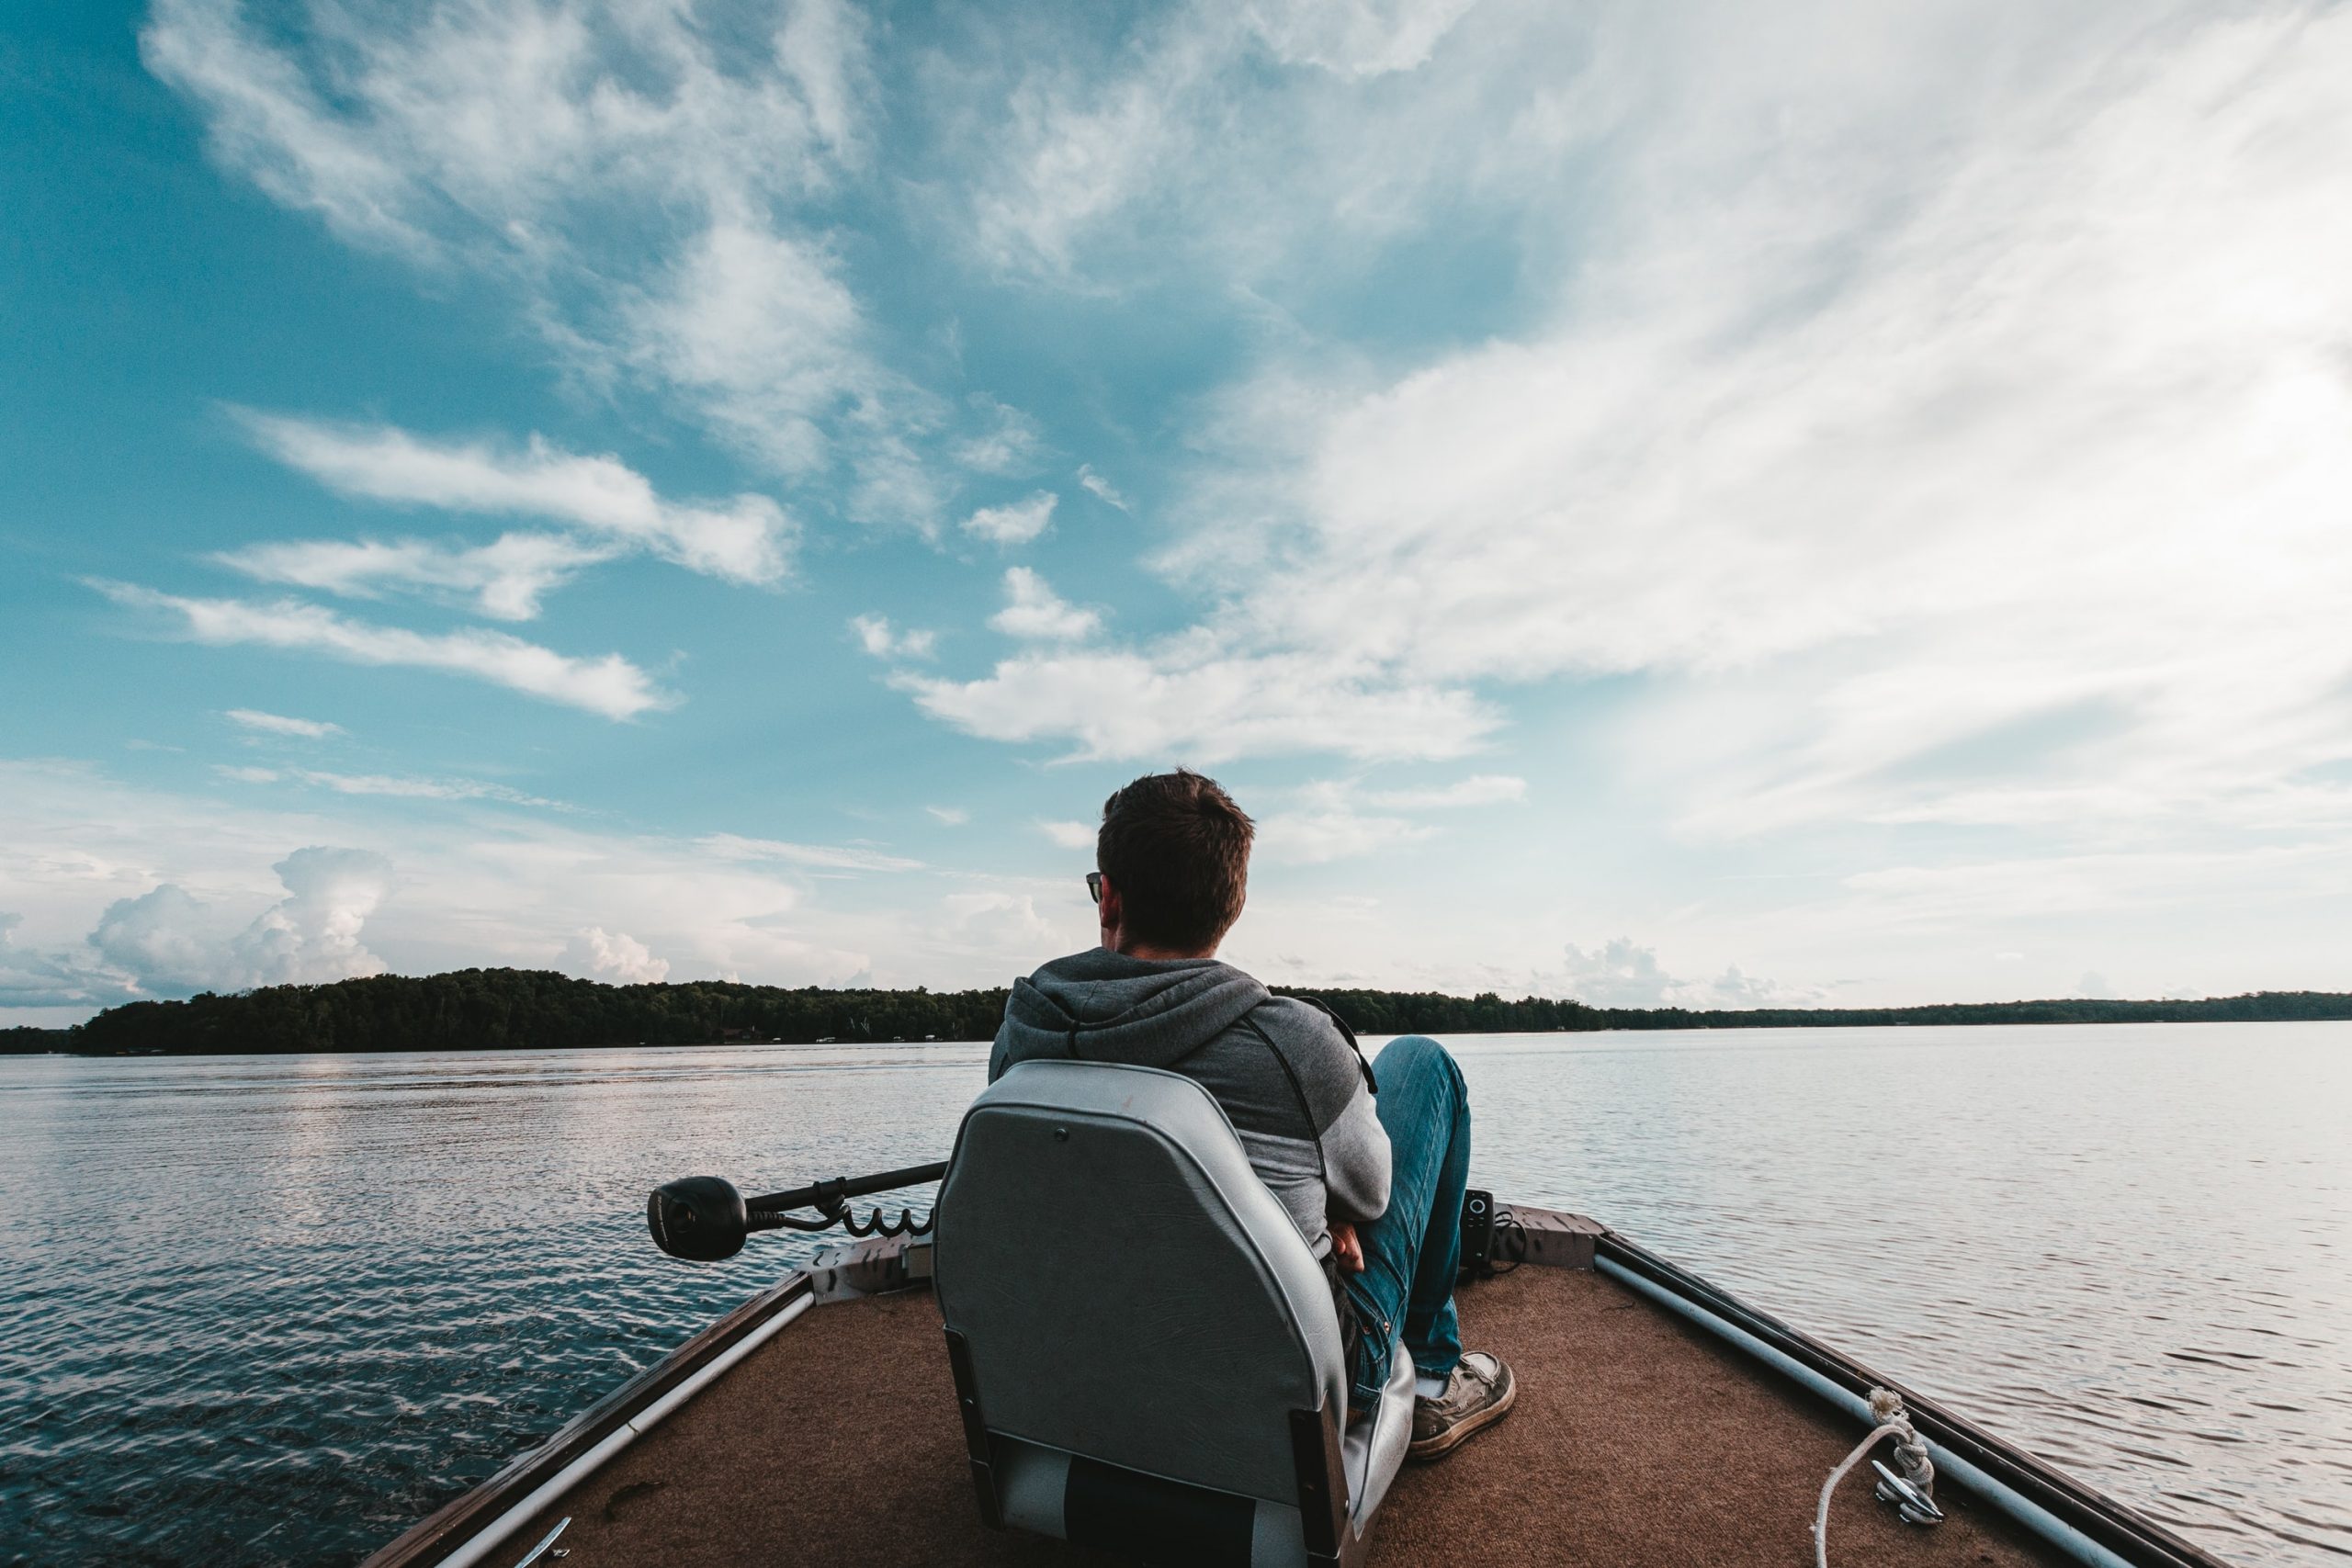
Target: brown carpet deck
{"x": 1637, "y": 1441}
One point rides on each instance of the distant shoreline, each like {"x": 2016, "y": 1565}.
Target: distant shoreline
{"x": 518, "y": 1010}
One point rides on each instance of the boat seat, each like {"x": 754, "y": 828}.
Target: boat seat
{"x": 1144, "y": 1350}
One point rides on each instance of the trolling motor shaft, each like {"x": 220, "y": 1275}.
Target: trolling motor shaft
{"x": 704, "y": 1219}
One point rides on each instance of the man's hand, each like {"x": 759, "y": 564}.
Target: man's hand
{"x": 1346, "y": 1247}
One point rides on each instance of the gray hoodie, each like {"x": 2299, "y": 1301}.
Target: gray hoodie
{"x": 1294, "y": 1086}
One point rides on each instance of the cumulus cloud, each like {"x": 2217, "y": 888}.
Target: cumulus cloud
{"x": 747, "y": 538}
{"x": 167, "y": 942}
{"x": 610, "y": 686}
{"x": 311, "y": 936}
{"x": 1619, "y": 973}
{"x": 883, "y": 640}
{"x": 1035, "y": 613}
{"x": 616, "y": 958}
{"x": 473, "y": 888}
{"x": 35, "y": 980}
{"x": 163, "y": 939}
{"x": 279, "y": 724}
{"x": 1017, "y": 523}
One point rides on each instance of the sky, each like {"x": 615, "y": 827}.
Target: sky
{"x": 1694, "y": 503}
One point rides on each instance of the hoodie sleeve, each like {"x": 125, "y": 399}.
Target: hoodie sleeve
{"x": 1354, "y": 1145}
{"x": 1355, "y": 1161}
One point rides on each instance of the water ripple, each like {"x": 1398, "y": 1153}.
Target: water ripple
{"x": 270, "y": 1311}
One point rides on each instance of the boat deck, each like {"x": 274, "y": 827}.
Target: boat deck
{"x": 1637, "y": 1439}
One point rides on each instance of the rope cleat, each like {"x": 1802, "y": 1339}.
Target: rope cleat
{"x": 1911, "y": 1504}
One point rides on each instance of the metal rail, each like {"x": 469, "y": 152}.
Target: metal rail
{"x": 2113, "y": 1532}
{"x": 824, "y": 1195}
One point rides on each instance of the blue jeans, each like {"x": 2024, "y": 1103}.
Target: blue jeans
{"x": 1412, "y": 1251}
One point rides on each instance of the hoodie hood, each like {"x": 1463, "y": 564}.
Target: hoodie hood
{"x": 1149, "y": 1013}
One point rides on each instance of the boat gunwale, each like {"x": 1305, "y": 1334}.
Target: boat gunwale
{"x": 447, "y": 1528}
{"x": 2111, "y": 1524}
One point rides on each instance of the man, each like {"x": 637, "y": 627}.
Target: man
{"x": 1372, "y": 1176}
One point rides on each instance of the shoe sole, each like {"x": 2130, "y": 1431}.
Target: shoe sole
{"x": 1462, "y": 1431}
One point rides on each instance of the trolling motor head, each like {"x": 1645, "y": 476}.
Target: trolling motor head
{"x": 701, "y": 1218}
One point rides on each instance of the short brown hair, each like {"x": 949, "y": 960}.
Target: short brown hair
{"x": 1178, "y": 850}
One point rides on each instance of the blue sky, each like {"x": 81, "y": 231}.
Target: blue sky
{"x": 1649, "y": 504}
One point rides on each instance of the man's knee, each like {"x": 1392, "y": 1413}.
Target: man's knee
{"x": 1411, "y": 1057}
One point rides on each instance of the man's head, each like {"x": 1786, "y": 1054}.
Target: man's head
{"x": 1174, "y": 854}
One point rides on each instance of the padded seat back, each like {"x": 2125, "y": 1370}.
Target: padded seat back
{"x": 1145, "y": 1349}
{"x": 1125, "y": 1283}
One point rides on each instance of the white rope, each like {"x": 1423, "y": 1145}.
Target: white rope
{"x": 1821, "y": 1515}
{"x": 1910, "y": 1453}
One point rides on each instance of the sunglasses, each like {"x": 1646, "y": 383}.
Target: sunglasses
{"x": 1094, "y": 885}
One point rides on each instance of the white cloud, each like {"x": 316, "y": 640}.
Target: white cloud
{"x": 167, "y": 942}
{"x": 1015, "y": 523}
{"x": 1953, "y": 404}
{"x": 611, "y": 686}
{"x": 1100, "y": 488}
{"x": 646, "y": 186}
{"x": 824, "y": 857}
{"x": 1009, "y": 443}
{"x": 759, "y": 331}
{"x": 879, "y": 638}
{"x": 1035, "y": 613}
{"x": 1275, "y": 144}
{"x": 1070, "y": 835}
{"x": 392, "y": 786}
{"x": 422, "y": 788}
{"x": 747, "y": 538}
{"x": 1334, "y": 832}
{"x": 1186, "y": 697}
{"x": 953, "y": 816}
{"x": 1619, "y": 973}
{"x": 1002, "y": 922}
{"x": 31, "y": 983}
{"x": 616, "y": 957}
{"x": 506, "y": 578}
{"x": 279, "y": 724}
{"x": 1356, "y": 38}
{"x": 162, "y": 941}
{"x": 311, "y": 936}
{"x": 1479, "y": 789}
{"x": 476, "y": 887}
{"x": 1328, "y": 825}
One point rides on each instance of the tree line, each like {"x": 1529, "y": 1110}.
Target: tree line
{"x": 523, "y": 1010}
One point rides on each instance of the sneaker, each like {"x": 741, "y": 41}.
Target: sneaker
{"x": 1478, "y": 1394}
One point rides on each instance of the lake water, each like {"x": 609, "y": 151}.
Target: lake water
{"x": 272, "y": 1309}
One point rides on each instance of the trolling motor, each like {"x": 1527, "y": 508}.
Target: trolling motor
{"x": 704, "y": 1219}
